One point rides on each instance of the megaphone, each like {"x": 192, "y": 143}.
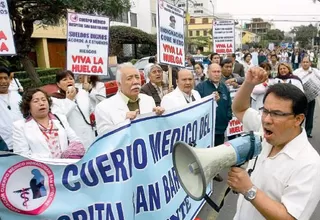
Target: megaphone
{"x": 196, "y": 167}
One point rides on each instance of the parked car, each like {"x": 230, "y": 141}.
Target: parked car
{"x": 140, "y": 64}
{"x": 109, "y": 82}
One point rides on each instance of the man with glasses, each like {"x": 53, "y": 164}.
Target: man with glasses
{"x": 285, "y": 183}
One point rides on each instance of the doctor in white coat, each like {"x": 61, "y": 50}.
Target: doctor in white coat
{"x": 95, "y": 88}
{"x": 128, "y": 103}
{"x": 75, "y": 105}
{"x": 42, "y": 134}
{"x": 9, "y": 108}
{"x": 183, "y": 94}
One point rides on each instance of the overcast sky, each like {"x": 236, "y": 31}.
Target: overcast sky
{"x": 303, "y": 10}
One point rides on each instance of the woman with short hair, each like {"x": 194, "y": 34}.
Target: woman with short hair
{"x": 42, "y": 134}
{"x": 75, "y": 104}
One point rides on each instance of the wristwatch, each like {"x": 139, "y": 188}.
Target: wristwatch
{"x": 251, "y": 194}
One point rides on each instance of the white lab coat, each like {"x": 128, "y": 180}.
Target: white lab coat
{"x": 29, "y": 141}
{"x": 295, "y": 82}
{"x": 7, "y": 117}
{"x": 97, "y": 93}
{"x": 69, "y": 108}
{"x": 112, "y": 111}
{"x": 176, "y": 99}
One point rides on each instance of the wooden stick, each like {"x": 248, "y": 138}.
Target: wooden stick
{"x": 85, "y": 79}
{"x": 170, "y": 75}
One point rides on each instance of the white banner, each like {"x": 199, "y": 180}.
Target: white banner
{"x": 7, "y": 47}
{"x": 223, "y": 36}
{"x": 170, "y": 34}
{"x": 88, "y": 44}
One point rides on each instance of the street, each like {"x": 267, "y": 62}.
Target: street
{"x": 229, "y": 209}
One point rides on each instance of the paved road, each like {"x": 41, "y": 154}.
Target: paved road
{"x": 229, "y": 209}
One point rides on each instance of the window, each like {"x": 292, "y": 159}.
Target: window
{"x": 198, "y": 11}
{"x": 192, "y": 21}
{"x": 198, "y": 33}
{"x": 190, "y": 33}
{"x": 181, "y": 5}
{"x": 205, "y": 20}
{"x": 123, "y": 18}
{"x": 133, "y": 18}
{"x": 154, "y": 19}
{"x": 198, "y": 4}
{"x": 205, "y": 33}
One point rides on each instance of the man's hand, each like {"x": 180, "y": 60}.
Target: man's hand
{"x": 86, "y": 86}
{"x": 230, "y": 81}
{"x": 235, "y": 85}
{"x": 239, "y": 180}
{"x": 132, "y": 114}
{"x": 256, "y": 75}
{"x": 158, "y": 110}
{"x": 216, "y": 96}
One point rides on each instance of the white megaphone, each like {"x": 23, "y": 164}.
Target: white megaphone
{"x": 196, "y": 167}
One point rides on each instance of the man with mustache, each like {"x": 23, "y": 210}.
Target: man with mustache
{"x": 127, "y": 103}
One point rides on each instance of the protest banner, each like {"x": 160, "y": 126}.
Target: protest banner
{"x": 87, "y": 44}
{"x": 127, "y": 174}
{"x": 223, "y": 36}
{"x": 7, "y": 46}
{"x": 170, "y": 34}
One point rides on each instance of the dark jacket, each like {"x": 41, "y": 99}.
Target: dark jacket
{"x": 293, "y": 58}
{"x": 150, "y": 90}
{"x": 223, "y": 111}
{"x": 238, "y": 69}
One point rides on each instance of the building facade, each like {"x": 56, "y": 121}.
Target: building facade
{"x": 258, "y": 26}
{"x": 197, "y": 8}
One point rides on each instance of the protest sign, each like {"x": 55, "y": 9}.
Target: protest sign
{"x": 127, "y": 174}
{"x": 223, "y": 36}
{"x": 235, "y": 126}
{"x": 170, "y": 34}
{"x": 87, "y": 44}
{"x": 7, "y": 46}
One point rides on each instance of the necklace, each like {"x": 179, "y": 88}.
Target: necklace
{"x": 7, "y": 102}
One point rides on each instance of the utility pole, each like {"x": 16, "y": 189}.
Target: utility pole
{"x": 186, "y": 28}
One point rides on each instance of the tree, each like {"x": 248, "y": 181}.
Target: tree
{"x": 274, "y": 35}
{"x": 23, "y": 14}
{"x": 304, "y": 34}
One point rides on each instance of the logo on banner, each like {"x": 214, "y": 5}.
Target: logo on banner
{"x": 27, "y": 188}
{"x": 74, "y": 17}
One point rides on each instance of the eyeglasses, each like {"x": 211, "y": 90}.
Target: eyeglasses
{"x": 274, "y": 114}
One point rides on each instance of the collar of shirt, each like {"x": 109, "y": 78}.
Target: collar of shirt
{"x": 186, "y": 96}
{"x": 126, "y": 99}
{"x": 293, "y": 148}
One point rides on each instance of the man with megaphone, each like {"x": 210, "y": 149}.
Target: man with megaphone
{"x": 285, "y": 183}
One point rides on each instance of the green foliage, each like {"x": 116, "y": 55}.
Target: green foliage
{"x": 47, "y": 76}
{"x": 304, "y": 34}
{"x": 133, "y": 61}
{"x": 120, "y": 35}
{"x": 200, "y": 41}
{"x": 4, "y": 62}
{"x": 274, "y": 35}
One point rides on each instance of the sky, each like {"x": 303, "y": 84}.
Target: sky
{"x": 297, "y": 10}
